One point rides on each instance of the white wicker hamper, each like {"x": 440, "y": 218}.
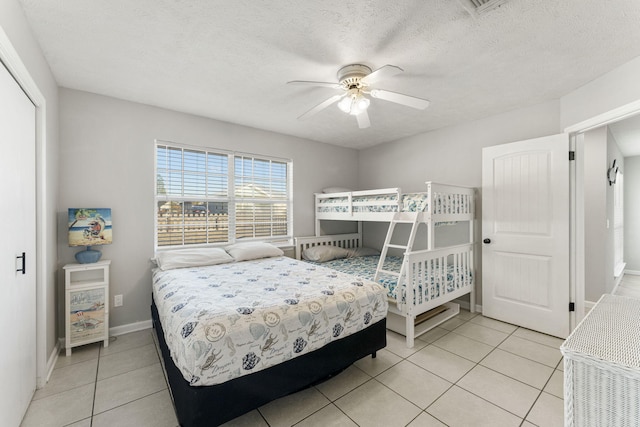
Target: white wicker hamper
{"x": 602, "y": 366}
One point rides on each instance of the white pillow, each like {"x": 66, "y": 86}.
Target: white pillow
{"x": 335, "y": 190}
{"x": 324, "y": 253}
{"x": 253, "y": 250}
{"x": 356, "y": 252}
{"x": 193, "y": 257}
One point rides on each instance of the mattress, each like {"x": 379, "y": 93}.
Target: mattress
{"x": 365, "y": 268}
{"x": 226, "y": 321}
{"x": 409, "y": 202}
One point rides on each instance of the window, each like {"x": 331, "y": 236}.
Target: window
{"x": 208, "y": 196}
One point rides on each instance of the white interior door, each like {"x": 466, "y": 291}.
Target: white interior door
{"x": 18, "y": 231}
{"x": 525, "y": 229}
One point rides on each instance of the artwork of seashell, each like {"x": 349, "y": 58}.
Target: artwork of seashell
{"x": 304, "y": 317}
{"x": 342, "y": 306}
{"x": 200, "y": 348}
{"x": 337, "y": 330}
{"x": 299, "y": 344}
{"x": 367, "y": 318}
{"x": 250, "y": 361}
{"x": 257, "y": 330}
{"x": 244, "y": 310}
{"x": 187, "y": 329}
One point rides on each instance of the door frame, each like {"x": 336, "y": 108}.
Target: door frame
{"x": 577, "y": 234}
{"x": 10, "y": 58}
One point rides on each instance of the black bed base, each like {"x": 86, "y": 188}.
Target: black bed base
{"x": 217, "y": 404}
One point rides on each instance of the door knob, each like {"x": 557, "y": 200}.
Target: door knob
{"x": 487, "y": 241}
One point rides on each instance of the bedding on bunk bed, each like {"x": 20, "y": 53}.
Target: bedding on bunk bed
{"x": 364, "y": 267}
{"x": 390, "y": 202}
{"x": 226, "y": 321}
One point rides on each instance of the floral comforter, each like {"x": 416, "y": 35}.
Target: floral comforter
{"x": 226, "y": 321}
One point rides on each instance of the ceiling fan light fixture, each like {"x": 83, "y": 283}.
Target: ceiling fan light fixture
{"x": 345, "y": 104}
{"x": 362, "y": 103}
{"x": 356, "y": 81}
{"x": 354, "y": 103}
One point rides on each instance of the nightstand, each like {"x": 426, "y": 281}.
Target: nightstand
{"x": 86, "y": 304}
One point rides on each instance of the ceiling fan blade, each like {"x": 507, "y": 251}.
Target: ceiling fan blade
{"x": 319, "y": 84}
{"x": 381, "y": 74}
{"x": 324, "y": 104}
{"x": 398, "y": 98}
{"x": 363, "y": 120}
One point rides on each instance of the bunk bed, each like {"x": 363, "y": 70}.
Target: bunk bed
{"x": 427, "y": 281}
{"x": 247, "y": 330}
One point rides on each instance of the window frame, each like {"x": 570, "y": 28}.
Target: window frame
{"x": 231, "y": 199}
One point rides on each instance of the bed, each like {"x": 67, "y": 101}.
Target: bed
{"x": 431, "y": 278}
{"x": 239, "y": 334}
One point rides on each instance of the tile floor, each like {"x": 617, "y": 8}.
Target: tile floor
{"x": 470, "y": 371}
{"x": 629, "y": 286}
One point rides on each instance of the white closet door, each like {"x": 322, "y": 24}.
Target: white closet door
{"x": 17, "y": 235}
{"x": 525, "y": 230}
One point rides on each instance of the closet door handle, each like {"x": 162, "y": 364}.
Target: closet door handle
{"x": 24, "y": 262}
{"x": 487, "y": 241}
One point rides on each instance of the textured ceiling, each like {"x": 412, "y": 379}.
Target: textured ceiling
{"x": 230, "y": 60}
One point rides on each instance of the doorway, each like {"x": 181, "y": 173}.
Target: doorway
{"x": 579, "y": 212}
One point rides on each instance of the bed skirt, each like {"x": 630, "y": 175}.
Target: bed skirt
{"x": 217, "y": 404}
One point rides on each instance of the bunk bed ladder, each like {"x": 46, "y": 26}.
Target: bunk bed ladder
{"x": 410, "y": 218}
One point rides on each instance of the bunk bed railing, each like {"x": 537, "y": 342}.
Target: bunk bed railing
{"x": 446, "y": 203}
{"x": 345, "y": 202}
{"x": 431, "y": 274}
{"x": 347, "y": 241}
{"x": 450, "y": 200}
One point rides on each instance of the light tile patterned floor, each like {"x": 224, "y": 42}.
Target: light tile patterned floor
{"x": 470, "y": 371}
{"x": 629, "y": 286}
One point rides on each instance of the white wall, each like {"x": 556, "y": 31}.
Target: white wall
{"x": 451, "y": 155}
{"x": 13, "y": 23}
{"x": 613, "y": 153}
{"x": 632, "y": 212}
{"x": 107, "y": 160}
{"x": 614, "y": 89}
{"x": 595, "y": 201}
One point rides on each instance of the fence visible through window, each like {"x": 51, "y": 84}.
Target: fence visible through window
{"x": 206, "y": 197}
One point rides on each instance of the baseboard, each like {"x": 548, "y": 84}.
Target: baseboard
{"x": 131, "y": 327}
{"x": 51, "y": 363}
{"x": 632, "y": 272}
{"x": 616, "y": 284}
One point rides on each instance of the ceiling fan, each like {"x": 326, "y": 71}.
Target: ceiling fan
{"x": 355, "y": 81}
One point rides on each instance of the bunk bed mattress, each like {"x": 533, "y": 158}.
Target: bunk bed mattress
{"x": 365, "y": 267}
{"x": 225, "y": 321}
{"x": 410, "y": 202}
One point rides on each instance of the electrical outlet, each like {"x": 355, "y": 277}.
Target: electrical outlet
{"x": 117, "y": 301}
